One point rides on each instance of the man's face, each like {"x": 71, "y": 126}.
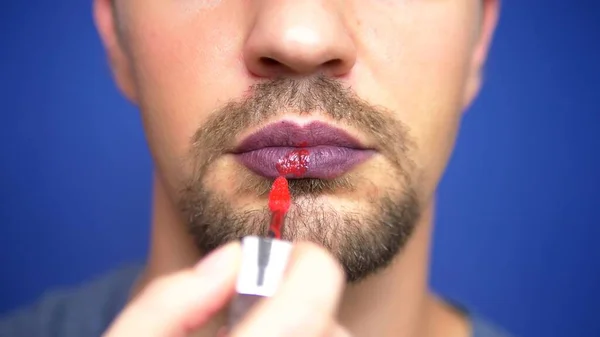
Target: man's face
{"x": 358, "y": 102}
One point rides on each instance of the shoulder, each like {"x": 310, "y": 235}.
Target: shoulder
{"x": 83, "y": 311}
{"x": 447, "y": 318}
{"x": 481, "y": 327}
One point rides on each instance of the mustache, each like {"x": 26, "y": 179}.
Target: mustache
{"x": 301, "y": 96}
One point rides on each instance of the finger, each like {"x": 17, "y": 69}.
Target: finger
{"x": 222, "y": 332}
{"x": 306, "y": 301}
{"x": 338, "y": 331}
{"x": 177, "y": 304}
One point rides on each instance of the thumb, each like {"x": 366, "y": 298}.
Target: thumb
{"x": 178, "y": 304}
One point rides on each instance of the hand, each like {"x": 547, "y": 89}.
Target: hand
{"x": 179, "y": 304}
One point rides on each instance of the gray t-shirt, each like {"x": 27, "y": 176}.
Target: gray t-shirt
{"x": 87, "y": 311}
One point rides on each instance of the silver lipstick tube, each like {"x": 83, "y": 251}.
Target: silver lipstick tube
{"x": 263, "y": 264}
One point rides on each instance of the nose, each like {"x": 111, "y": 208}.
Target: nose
{"x": 299, "y": 37}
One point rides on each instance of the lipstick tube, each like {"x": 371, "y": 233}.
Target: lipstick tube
{"x": 263, "y": 263}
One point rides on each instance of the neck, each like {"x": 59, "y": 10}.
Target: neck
{"x": 394, "y": 302}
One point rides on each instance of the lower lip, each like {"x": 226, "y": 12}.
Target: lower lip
{"x": 320, "y": 162}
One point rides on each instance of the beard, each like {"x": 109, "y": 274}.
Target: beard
{"x": 365, "y": 239}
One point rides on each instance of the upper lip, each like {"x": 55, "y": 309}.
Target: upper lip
{"x": 289, "y": 134}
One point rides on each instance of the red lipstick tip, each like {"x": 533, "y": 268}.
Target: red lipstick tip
{"x": 279, "y": 198}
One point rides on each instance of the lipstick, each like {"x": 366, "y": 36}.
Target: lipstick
{"x": 263, "y": 264}
{"x": 263, "y": 259}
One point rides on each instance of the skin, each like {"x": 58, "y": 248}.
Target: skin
{"x": 421, "y": 60}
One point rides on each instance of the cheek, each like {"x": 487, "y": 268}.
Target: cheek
{"x": 186, "y": 64}
{"x": 416, "y": 63}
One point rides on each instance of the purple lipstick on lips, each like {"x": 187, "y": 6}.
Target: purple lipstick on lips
{"x": 316, "y": 150}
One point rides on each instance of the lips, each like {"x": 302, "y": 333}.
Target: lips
{"x": 316, "y": 150}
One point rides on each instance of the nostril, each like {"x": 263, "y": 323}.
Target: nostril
{"x": 265, "y": 66}
{"x": 269, "y": 62}
{"x": 332, "y": 63}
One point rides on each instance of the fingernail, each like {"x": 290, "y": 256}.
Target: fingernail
{"x": 214, "y": 260}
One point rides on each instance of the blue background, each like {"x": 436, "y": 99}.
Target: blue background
{"x": 516, "y": 233}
